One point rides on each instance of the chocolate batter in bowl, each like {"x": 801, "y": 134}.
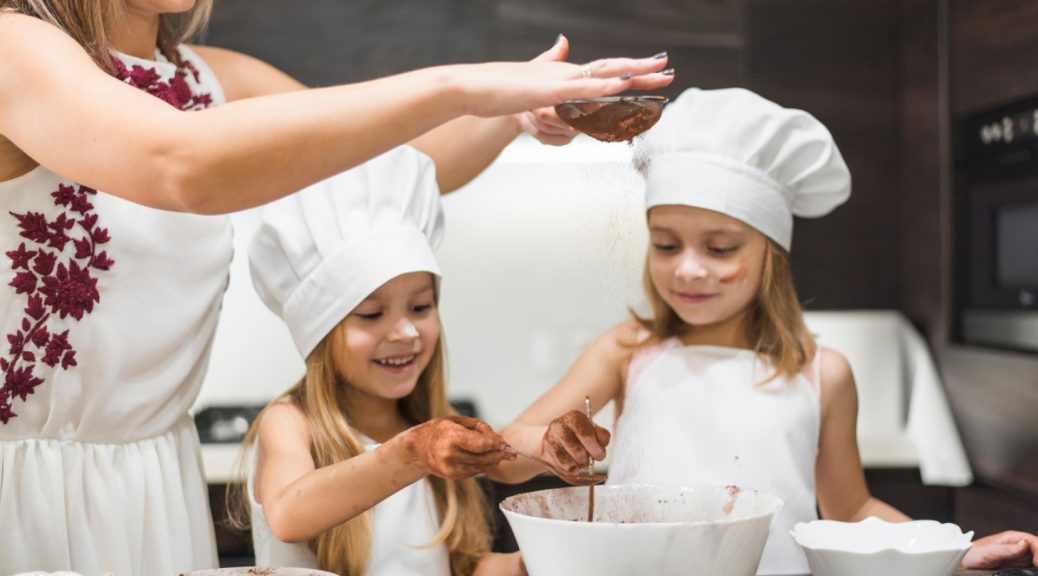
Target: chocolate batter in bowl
{"x": 612, "y": 119}
{"x": 642, "y": 529}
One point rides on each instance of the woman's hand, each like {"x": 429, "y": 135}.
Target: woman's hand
{"x": 546, "y": 126}
{"x": 543, "y": 123}
{"x": 1002, "y": 550}
{"x": 500, "y": 88}
{"x": 456, "y": 447}
{"x": 573, "y": 438}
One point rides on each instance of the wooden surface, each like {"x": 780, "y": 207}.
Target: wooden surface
{"x": 839, "y": 62}
{"x": 994, "y": 52}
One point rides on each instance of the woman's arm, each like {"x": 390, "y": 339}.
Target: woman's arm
{"x": 64, "y": 112}
{"x": 464, "y": 147}
{"x": 554, "y": 426}
{"x": 839, "y": 479}
{"x": 301, "y": 501}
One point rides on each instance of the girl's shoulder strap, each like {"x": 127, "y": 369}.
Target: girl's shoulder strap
{"x": 648, "y": 349}
{"x": 812, "y": 370}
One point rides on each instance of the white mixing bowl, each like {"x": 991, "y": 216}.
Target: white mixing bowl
{"x": 874, "y": 546}
{"x": 642, "y": 530}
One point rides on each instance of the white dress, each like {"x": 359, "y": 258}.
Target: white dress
{"x": 402, "y": 524}
{"x": 693, "y": 415}
{"x": 108, "y": 313}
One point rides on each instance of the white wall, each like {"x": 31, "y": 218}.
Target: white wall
{"x": 543, "y": 253}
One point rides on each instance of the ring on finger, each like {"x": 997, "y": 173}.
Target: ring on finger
{"x": 585, "y": 71}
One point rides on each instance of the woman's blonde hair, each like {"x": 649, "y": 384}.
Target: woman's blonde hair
{"x": 89, "y": 23}
{"x": 774, "y": 324}
{"x": 323, "y": 397}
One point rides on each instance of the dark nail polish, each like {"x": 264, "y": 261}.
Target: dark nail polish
{"x": 661, "y": 55}
{"x": 668, "y": 72}
{"x": 626, "y": 76}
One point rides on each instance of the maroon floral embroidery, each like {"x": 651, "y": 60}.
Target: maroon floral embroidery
{"x": 176, "y": 92}
{"x": 63, "y": 284}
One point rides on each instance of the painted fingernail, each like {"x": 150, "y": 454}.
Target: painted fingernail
{"x": 668, "y": 72}
{"x": 661, "y": 55}
{"x": 626, "y": 76}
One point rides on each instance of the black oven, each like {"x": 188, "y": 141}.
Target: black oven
{"x": 996, "y": 199}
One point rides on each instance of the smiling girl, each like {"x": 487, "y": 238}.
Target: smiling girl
{"x": 722, "y": 383}
{"x": 361, "y": 467}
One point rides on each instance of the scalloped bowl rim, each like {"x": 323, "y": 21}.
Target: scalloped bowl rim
{"x": 849, "y": 537}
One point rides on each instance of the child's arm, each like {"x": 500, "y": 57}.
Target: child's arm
{"x": 568, "y": 439}
{"x": 840, "y": 482}
{"x": 1005, "y": 549}
{"x": 494, "y": 564}
{"x": 301, "y": 501}
{"x": 839, "y": 479}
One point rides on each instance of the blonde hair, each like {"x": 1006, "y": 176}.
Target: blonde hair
{"x": 774, "y": 324}
{"x": 88, "y": 22}
{"x": 322, "y": 395}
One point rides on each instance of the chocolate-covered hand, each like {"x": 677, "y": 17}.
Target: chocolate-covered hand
{"x": 456, "y": 447}
{"x": 1002, "y": 550}
{"x": 571, "y": 438}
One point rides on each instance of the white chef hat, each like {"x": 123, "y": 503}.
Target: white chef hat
{"x": 737, "y": 153}
{"x": 319, "y": 253}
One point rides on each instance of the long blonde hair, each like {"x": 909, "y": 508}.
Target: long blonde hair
{"x": 774, "y": 323}
{"x": 88, "y": 22}
{"x": 322, "y": 395}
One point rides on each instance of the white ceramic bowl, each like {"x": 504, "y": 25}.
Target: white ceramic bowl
{"x": 642, "y": 530}
{"x": 874, "y": 546}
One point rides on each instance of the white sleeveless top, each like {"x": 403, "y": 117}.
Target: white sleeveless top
{"x": 112, "y": 308}
{"x": 694, "y": 415}
{"x": 401, "y": 525}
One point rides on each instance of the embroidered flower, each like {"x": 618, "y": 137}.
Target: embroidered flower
{"x": 61, "y": 282}
{"x": 176, "y": 91}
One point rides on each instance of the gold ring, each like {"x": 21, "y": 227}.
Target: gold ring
{"x": 585, "y": 71}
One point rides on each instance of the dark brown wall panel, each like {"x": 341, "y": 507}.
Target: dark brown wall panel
{"x": 994, "y": 52}
{"x": 838, "y": 61}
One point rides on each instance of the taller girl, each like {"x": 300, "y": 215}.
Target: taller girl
{"x": 723, "y": 383}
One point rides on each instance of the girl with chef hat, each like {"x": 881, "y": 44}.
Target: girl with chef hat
{"x": 360, "y": 467}
{"x": 122, "y": 152}
{"x": 722, "y": 383}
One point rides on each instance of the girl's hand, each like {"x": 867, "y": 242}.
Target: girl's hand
{"x": 456, "y": 447}
{"x": 1002, "y": 550}
{"x": 571, "y": 439}
{"x": 500, "y": 88}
